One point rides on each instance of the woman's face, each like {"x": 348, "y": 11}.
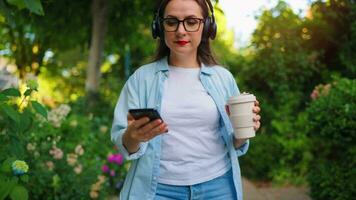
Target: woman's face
{"x": 181, "y": 41}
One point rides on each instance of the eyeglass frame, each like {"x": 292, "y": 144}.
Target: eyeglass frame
{"x": 201, "y": 20}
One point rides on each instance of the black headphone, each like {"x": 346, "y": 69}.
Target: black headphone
{"x": 209, "y": 31}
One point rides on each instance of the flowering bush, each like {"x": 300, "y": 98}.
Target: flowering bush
{"x": 114, "y": 171}
{"x": 320, "y": 90}
{"x": 331, "y": 129}
{"x": 15, "y": 122}
{"x": 56, "y": 158}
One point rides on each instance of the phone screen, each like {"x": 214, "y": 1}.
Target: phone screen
{"x": 151, "y": 113}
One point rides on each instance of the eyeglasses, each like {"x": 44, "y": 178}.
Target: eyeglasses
{"x": 189, "y": 24}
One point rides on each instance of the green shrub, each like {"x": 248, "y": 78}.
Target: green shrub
{"x": 332, "y": 117}
{"x": 258, "y": 163}
{"x": 64, "y": 151}
{"x": 280, "y": 151}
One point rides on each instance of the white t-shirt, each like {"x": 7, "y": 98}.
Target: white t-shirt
{"x": 192, "y": 150}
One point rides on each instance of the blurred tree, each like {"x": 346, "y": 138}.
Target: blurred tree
{"x": 280, "y": 71}
{"x": 27, "y": 37}
{"x": 99, "y": 11}
{"x": 288, "y": 56}
{"x": 331, "y": 27}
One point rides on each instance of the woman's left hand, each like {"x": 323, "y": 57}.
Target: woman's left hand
{"x": 256, "y": 118}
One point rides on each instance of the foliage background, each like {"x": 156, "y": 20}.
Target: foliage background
{"x": 302, "y": 69}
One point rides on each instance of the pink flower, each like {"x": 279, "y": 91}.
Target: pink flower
{"x": 119, "y": 159}
{"x": 112, "y": 173}
{"x": 116, "y": 158}
{"x": 105, "y": 168}
{"x": 111, "y": 158}
{"x": 320, "y": 90}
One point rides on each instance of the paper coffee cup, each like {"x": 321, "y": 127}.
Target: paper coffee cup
{"x": 241, "y": 115}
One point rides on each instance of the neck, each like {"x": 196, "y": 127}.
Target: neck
{"x": 184, "y": 61}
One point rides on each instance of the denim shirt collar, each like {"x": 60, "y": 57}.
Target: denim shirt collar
{"x": 162, "y": 65}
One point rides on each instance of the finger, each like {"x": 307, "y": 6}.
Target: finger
{"x": 129, "y": 116}
{"x": 158, "y": 130}
{"x": 256, "y": 109}
{"x": 140, "y": 122}
{"x": 256, "y": 118}
{"x": 257, "y": 126}
{"x": 257, "y": 103}
{"x": 141, "y": 133}
{"x": 149, "y": 126}
{"x": 130, "y": 119}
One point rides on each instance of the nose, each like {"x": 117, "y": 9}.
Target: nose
{"x": 181, "y": 29}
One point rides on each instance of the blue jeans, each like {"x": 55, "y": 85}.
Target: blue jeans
{"x": 220, "y": 188}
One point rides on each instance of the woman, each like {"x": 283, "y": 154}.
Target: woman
{"x": 192, "y": 153}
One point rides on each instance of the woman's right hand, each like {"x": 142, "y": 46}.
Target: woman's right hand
{"x": 141, "y": 130}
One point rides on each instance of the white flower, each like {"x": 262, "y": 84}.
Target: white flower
{"x": 56, "y": 152}
{"x": 71, "y": 159}
{"x": 78, "y": 169}
{"x": 79, "y": 150}
{"x": 50, "y": 165}
{"x": 30, "y": 147}
{"x": 57, "y": 115}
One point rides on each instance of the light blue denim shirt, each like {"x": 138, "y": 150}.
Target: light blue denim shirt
{"x": 144, "y": 90}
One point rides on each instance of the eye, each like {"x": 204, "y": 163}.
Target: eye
{"x": 192, "y": 21}
{"x": 170, "y": 21}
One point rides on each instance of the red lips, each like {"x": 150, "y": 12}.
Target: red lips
{"x": 182, "y": 42}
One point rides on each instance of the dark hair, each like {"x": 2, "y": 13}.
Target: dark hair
{"x": 205, "y": 54}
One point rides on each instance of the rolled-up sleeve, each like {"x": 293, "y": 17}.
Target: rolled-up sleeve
{"x": 243, "y": 148}
{"x": 129, "y": 98}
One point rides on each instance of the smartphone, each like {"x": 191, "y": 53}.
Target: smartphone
{"x": 151, "y": 113}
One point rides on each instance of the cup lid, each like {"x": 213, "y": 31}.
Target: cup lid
{"x": 243, "y": 97}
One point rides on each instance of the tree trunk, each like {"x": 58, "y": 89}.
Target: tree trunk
{"x": 99, "y": 9}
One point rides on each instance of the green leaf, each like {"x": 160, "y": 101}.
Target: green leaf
{"x": 39, "y": 108}
{"x": 6, "y": 186}
{"x": 3, "y": 97}
{"x": 24, "y": 178}
{"x": 32, "y": 84}
{"x": 11, "y": 112}
{"x": 20, "y": 4}
{"x": 11, "y": 92}
{"x": 19, "y": 193}
{"x": 6, "y": 12}
{"x": 25, "y": 120}
{"x": 6, "y": 165}
{"x": 34, "y": 6}
{"x": 28, "y": 92}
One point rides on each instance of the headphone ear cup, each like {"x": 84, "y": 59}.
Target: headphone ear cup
{"x": 206, "y": 29}
{"x": 213, "y": 30}
{"x": 210, "y": 29}
{"x": 159, "y": 29}
{"x": 156, "y": 28}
